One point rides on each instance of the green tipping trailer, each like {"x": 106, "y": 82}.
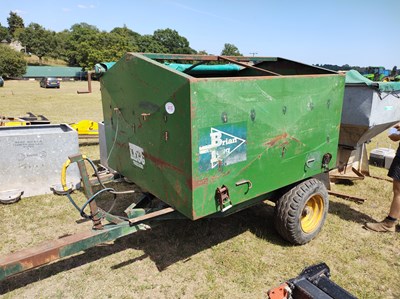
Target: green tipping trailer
{"x": 208, "y": 137}
{"x": 212, "y": 137}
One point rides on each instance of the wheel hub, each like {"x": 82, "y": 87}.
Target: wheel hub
{"x": 312, "y": 214}
{"x": 306, "y": 211}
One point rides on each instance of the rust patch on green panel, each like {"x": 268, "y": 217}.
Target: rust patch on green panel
{"x": 162, "y": 164}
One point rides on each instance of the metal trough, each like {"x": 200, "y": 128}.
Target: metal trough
{"x": 369, "y": 108}
{"x": 32, "y": 157}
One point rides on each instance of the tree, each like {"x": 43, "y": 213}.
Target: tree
{"x": 172, "y": 41}
{"x": 12, "y": 63}
{"x": 15, "y": 22}
{"x": 147, "y": 44}
{"x": 230, "y": 50}
{"x": 38, "y": 40}
{"x": 393, "y": 73}
{"x": 345, "y": 67}
{"x": 125, "y": 31}
{"x": 79, "y": 40}
{"x": 128, "y": 34}
{"x": 60, "y": 51}
{"x": 113, "y": 47}
{"x": 86, "y": 45}
{"x": 4, "y": 35}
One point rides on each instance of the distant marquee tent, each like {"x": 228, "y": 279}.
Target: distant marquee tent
{"x": 61, "y": 72}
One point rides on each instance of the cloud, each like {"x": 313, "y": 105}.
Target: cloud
{"x": 66, "y": 9}
{"x": 82, "y": 6}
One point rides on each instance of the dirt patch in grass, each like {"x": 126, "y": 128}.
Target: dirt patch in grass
{"x": 234, "y": 257}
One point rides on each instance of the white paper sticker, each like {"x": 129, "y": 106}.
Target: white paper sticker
{"x": 137, "y": 155}
{"x": 170, "y": 108}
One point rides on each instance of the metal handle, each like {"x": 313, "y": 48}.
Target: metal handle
{"x": 309, "y": 161}
{"x": 242, "y": 182}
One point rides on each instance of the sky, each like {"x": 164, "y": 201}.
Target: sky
{"x": 354, "y": 32}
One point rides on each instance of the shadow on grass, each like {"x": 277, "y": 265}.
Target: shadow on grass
{"x": 88, "y": 141}
{"x": 347, "y": 213}
{"x": 177, "y": 240}
{"x": 166, "y": 244}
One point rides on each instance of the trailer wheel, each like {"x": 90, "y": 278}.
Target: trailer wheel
{"x": 301, "y": 212}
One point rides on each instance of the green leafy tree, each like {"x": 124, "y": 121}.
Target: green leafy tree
{"x": 393, "y": 73}
{"x": 126, "y": 33}
{"x": 60, "y": 51}
{"x": 15, "y": 22}
{"x": 172, "y": 41}
{"x": 86, "y": 45}
{"x": 4, "y": 35}
{"x": 230, "y": 50}
{"x": 345, "y": 67}
{"x": 79, "y": 40}
{"x": 38, "y": 40}
{"x": 147, "y": 44}
{"x": 12, "y": 63}
{"x": 113, "y": 47}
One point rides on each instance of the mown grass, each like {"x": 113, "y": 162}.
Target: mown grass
{"x": 234, "y": 257}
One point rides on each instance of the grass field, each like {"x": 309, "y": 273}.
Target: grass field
{"x": 240, "y": 256}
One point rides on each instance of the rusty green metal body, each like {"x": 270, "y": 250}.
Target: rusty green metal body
{"x": 203, "y": 143}
{"x": 208, "y": 141}
{"x": 48, "y": 252}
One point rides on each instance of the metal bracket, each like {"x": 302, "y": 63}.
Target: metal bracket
{"x": 94, "y": 210}
{"x": 222, "y": 197}
{"x": 10, "y": 196}
{"x": 325, "y": 161}
{"x": 145, "y": 116}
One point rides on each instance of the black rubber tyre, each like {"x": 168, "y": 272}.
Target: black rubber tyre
{"x": 301, "y": 212}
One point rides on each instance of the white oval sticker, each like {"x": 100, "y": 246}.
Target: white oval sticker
{"x": 170, "y": 108}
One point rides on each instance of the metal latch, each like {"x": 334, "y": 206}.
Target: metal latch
{"x": 325, "y": 161}
{"x": 222, "y": 197}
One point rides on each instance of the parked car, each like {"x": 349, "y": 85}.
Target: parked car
{"x": 1, "y": 81}
{"x": 48, "y": 82}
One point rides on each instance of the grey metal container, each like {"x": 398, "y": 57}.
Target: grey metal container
{"x": 367, "y": 112}
{"x": 32, "y": 157}
{"x": 369, "y": 108}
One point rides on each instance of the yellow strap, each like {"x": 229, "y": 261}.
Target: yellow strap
{"x": 64, "y": 175}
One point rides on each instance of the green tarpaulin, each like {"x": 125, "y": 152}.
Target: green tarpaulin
{"x": 354, "y": 77}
